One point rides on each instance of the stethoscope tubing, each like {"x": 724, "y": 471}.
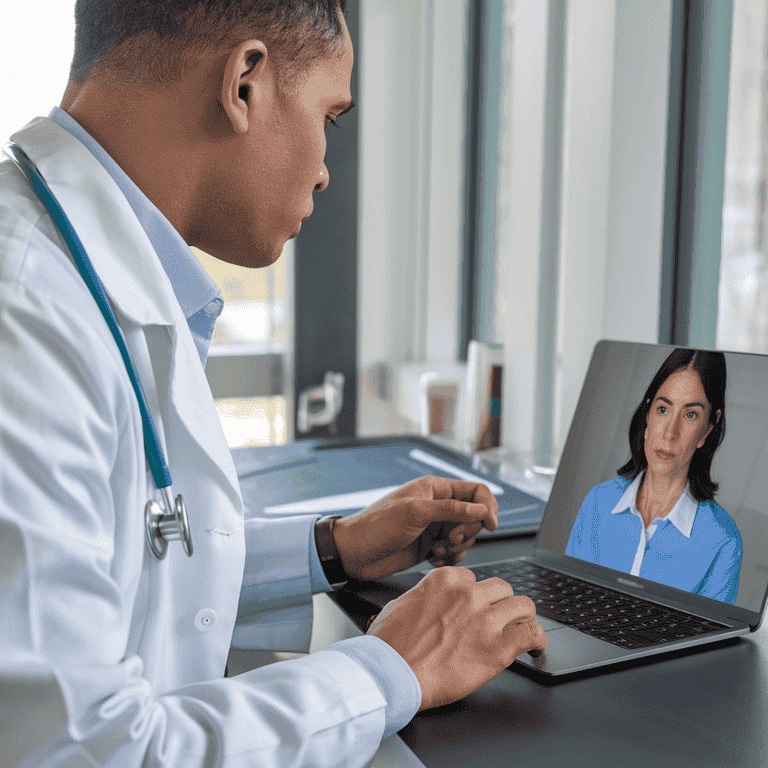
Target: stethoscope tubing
{"x": 154, "y": 453}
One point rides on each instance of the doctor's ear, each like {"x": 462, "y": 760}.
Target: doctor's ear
{"x": 243, "y": 81}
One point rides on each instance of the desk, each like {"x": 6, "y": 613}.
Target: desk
{"x": 693, "y": 711}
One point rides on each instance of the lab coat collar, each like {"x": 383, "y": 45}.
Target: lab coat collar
{"x": 122, "y": 255}
{"x": 682, "y": 515}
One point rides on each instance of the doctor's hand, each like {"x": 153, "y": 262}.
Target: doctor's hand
{"x": 456, "y": 633}
{"x": 431, "y": 517}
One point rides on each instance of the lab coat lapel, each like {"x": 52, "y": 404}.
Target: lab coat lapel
{"x": 122, "y": 255}
{"x": 194, "y": 405}
{"x": 132, "y": 276}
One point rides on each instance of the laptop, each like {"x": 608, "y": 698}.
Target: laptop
{"x": 609, "y": 589}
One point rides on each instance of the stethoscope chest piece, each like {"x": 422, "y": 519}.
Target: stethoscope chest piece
{"x": 163, "y": 526}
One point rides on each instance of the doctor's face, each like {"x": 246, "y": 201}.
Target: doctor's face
{"x": 678, "y": 423}
{"x": 279, "y": 165}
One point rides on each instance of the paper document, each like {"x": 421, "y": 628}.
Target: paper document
{"x": 338, "y": 502}
{"x": 446, "y": 466}
{"x": 358, "y": 499}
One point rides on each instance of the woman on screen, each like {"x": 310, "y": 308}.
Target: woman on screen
{"x": 659, "y": 519}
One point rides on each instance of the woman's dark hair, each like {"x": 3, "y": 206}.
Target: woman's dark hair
{"x": 711, "y": 369}
{"x": 166, "y": 34}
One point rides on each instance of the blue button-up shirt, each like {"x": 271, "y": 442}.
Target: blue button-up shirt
{"x": 707, "y": 562}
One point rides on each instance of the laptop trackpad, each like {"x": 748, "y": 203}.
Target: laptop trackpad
{"x": 570, "y": 651}
{"x": 548, "y": 623}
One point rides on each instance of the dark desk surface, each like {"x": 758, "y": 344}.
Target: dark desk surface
{"x": 693, "y": 711}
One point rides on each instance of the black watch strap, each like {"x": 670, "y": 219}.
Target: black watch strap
{"x": 328, "y": 553}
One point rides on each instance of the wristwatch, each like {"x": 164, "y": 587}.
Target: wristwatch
{"x": 328, "y": 552}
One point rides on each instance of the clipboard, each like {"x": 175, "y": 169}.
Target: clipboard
{"x": 342, "y": 476}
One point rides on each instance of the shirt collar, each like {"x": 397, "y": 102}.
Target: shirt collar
{"x": 193, "y": 287}
{"x": 628, "y": 500}
{"x": 682, "y": 515}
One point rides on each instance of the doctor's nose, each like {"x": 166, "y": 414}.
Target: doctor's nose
{"x": 322, "y": 179}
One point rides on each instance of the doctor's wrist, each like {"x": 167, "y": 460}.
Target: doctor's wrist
{"x": 328, "y": 552}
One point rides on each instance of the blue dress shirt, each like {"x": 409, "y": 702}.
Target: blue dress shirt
{"x": 201, "y": 302}
{"x": 708, "y": 562}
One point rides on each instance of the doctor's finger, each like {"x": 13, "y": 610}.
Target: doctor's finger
{"x": 463, "y": 531}
{"x": 453, "y": 534}
{"x": 463, "y": 490}
{"x": 448, "y": 548}
{"x": 493, "y": 590}
{"x": 523, "y": 636}
{"x": 509, "y": 612}
{"x": 442, "y": 555}
{"x": 516, "y": 608}
{"x": 427, "y": 511}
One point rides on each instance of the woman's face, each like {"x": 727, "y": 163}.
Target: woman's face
{"x": 677, "y": 424}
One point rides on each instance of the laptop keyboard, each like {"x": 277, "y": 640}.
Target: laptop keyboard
{"x": 617, "y": 618}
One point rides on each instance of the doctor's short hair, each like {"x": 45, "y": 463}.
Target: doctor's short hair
{"x": 712, "y": 371}
{"x": 152, "y": 42}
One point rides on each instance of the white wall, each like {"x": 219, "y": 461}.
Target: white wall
{"x": 388, "y": 103}
{"x": 587, "y": 162}
{"x": 445, "y": 194}
{"x": 638, "y": 147}
{"x": 412, "y": 111}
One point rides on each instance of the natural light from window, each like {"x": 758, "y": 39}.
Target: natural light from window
{"x": 742, "y": 322}
{"x": 37, "y": 45}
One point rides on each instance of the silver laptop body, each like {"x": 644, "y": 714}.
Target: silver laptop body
{"x": 616, "y": 383}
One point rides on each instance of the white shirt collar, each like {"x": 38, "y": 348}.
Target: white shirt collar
{"x": 682, "y": 515}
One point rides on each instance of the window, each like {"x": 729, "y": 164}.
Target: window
{"x": 577, "y": 201}
{"x": 249, "y": 363}
{"x": 568, "y": 115}
{"x": 742, "y": 321}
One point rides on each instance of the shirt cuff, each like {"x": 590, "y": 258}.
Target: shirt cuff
{"x": 391, "y": 673}
{"x": 317, "y": 580}
{"x": 276, "y": 573}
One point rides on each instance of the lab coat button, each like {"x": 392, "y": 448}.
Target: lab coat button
{"x": 205, "y": 619}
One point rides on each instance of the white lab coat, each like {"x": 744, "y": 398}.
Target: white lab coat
{"x": 109, "y": 656}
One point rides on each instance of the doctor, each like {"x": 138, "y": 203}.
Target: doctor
{"x": 194, "y": 122}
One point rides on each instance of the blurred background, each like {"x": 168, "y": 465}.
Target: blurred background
{"x": 533, "y": 175}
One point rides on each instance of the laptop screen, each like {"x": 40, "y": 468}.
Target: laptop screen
{"x": 664, "y": 472}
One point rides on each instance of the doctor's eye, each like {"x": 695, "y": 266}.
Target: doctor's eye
{"x": 661, "y": 410}
{"x": 691, "y": 415}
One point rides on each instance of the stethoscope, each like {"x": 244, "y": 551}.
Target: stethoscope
{"x": 162, "y": 524}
